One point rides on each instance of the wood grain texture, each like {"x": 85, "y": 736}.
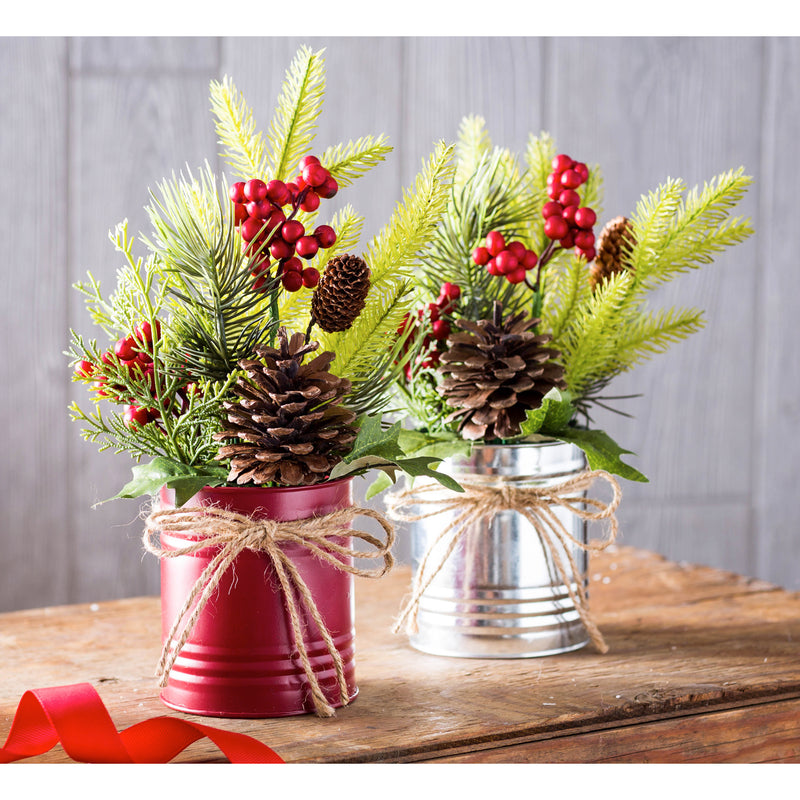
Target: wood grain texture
{"x": 699, "y": 660}
{"x": 128, "y": 134}
{"x": 776, "y": 455}
{"x": 33, "y": 385}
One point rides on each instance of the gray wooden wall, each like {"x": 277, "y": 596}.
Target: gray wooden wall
{"x": 88, "y": 124}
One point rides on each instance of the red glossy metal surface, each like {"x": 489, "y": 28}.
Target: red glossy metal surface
{"x": 240, "y": 660}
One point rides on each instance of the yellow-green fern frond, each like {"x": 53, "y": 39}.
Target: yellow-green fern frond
{"x": 291, "y": 130}
{"x": 241, "y": 141}
{"x": 347, "y": 162}
{"x": 472, "y": 146}
{"x": 566, "y": 289}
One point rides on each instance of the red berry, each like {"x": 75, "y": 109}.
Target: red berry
{"x": 570, "y": 179}
{"x": 135, "y": 416}
{"x": 328, "y": 188}
{"x": 433, "y": 312}
{"x": 495, "y": 242}
{"x": 555, "y": 227}
{"x": 506, "y": 262}
{"x": 239, "y": 213}
{"x": 84, "y": 369}
{"x": 567, "y": 241}
{"x": 255, "y": 190}
{"x": 310, "y": 277}
{"x": 236, "y": 192}
{"x": 441, "y": 329}
{"x": 491, "y": 268}
{"x": 582, "y": 170}
{"x": 278, "y": 193}
{"x": 280, "y": 249}
{"x": 480, "y": 255}
{"x": 260, "y": 209}
{"x": 449, "y": 293}
{"x": 530, "y": 259}
{"x": 306, "y": 161}
{"x": 307, "y": 246}
{"x": 585, "y": 217}
{"x": 517, "y": 249}
{"x": 299, "y": 182}
{"x": 325, "y": 235}
{"x": 569, "y": 197}
{"x": 276, "y": 218}
{"x": 250, "y": 228}
{"x": 589, "y": 254}
{"x": 552, "y": 209}
{"x": 584, "y": 239}
{"x": 292, "y": 281}
{"x": 259, "y": 267}
{"x": 516, "y": 276}
{"x": 125, "y": 349}
{"x": 292, "y": 230}
{"x": 561, "y": 162}
{"x": 259, "y": 282}
{"x": 144, "y": 331}
{"x": 293, "y": 264}
{"x": 314, "y": 174}
{"x": 293, "y": 190}
{"x": 310, "y": 202}
{"x": 569, "y": 214}
{"x": 554, "y": 190}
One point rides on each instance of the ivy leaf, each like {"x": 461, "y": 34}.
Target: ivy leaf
{"x": 161, "y": 471}
{"x": 552, "y": 416}
{"x": 602, "y": 452}
{"x": 373, "y": 440}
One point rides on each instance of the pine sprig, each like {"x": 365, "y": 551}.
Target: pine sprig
{"x": 218, "y": 317}
{"x": 473, "y": 144}
{"x": 243, "y": 145}
{"x": 299, "y": 105}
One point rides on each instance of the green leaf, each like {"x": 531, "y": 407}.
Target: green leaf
{"x": 186, "y": 481}
{"x": 602, "y": 452}
{"x": 374, "y": 441}
{"x": 552, "y": 416}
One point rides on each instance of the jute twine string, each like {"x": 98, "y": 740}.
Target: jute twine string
{"x": 535, "y": 505}
{"x": 233, "y": 533}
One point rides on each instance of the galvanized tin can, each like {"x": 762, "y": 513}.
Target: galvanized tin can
{"x": 499, "y": 594}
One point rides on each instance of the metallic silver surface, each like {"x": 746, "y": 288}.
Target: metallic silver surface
{"x": 499, "y": 594}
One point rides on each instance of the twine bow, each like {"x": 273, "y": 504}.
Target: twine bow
{"x": 233, "y": 533}
{"x": 534, "y": 504}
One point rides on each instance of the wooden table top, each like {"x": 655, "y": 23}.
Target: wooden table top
{"x": 703, "y": 666}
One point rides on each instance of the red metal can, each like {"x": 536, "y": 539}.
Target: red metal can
{"x": 240, "y": 660}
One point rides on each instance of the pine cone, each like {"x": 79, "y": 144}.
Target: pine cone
{"x": 497, "y": 369}
{"x": 341, "y": 293}
{"x": 290, "y": 426}
{"x": 615, "y": 241}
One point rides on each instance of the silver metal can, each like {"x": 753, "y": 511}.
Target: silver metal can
{"x": 499, "y": 594}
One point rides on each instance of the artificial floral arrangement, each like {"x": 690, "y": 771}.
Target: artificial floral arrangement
{"x": 525, "y": 314}
{"x": 251, "y": 345}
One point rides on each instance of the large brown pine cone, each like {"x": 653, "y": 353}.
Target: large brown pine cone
{"x": 288, "y": 423}
{"x": 613, "y": 245}
{"x": 496, "y": 371}
{"x": 341, "y": 293}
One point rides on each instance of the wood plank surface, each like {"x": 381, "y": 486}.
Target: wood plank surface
{"x": 688, "y": 646}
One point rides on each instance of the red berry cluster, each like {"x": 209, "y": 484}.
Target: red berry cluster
{"x": 565, "y": 219}
{"x": 438, "y": 331}
{"x": 510, "y": 260}
{"x": 135, "y": 353}
{"x": 265, "y": 214}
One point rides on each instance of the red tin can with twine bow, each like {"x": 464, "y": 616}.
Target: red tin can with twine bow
{"x": 275, "y": 631}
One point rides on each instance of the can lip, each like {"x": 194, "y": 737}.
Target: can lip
{"x": 544, "y": 441}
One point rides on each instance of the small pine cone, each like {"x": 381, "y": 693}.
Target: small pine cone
{"x": 341, "y": 293}
{"x": 615, "y": 241}
{"x": 288, "y": 423}
{"x": 496, "y": 370}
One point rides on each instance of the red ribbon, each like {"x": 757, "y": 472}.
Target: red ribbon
{"x": 75, "y": 716}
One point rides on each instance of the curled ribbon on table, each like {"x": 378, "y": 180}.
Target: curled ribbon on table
{"x": 233, "y": 533}
{"x": 75, "y": 716}
{"x": 534, "y": 504}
